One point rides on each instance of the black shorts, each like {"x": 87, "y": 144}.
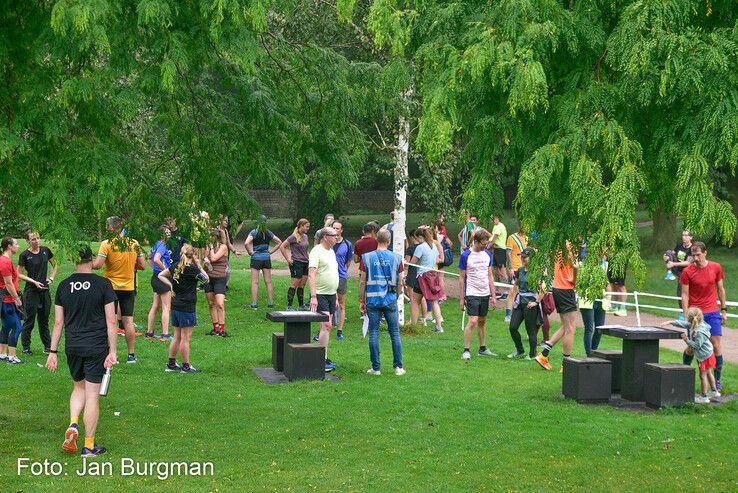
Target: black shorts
{"x": 477, "y": 306}
{"x": 263, "y": 264}
{"x": 499, "y": 257}
{"x": 217, "y": 285}
{"x": 327, "y": 303}
{"x": 416, "y": 286}
{"x": 90, "y": 368}
{"x": 158, "y": 285}
{"x": 298, "y": 269}
{"x": 565, "y": 300}
{"x": 126, "y": 300}
{"x": 342, "y": 285}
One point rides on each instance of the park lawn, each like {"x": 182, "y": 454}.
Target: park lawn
{"x": 448, "y": 425}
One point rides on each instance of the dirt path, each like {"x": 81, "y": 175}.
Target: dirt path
{"x": 730, "y": 336}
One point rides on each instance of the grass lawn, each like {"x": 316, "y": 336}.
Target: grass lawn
{"x": 488, "y": 424}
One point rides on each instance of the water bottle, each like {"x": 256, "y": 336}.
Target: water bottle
{"x": 105, "y": 383}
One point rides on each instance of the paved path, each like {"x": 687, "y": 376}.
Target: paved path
{"x": 730, "y": 336}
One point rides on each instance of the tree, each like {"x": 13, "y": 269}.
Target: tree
{"x": 152, "y": 108}
{"x": 600, "y": 104}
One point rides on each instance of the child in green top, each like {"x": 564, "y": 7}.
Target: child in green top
{"x": 697, "y": 338}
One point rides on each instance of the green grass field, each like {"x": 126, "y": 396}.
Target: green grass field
{"x": 485, "y": 425}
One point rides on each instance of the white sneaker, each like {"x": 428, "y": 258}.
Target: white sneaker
{"x": 3, "y": 357}
{"x": 372, "y": 371}
{"x": 486, "y": 352}
{"x": 701, "y": 399}
{"x": 507, "y": 318}
{"x": 400, "y": 371}
{"x": 466, "y": 355}
{"x": 713, "y": 394}
{"x": 14, "y": 360}
{"x": 438, "y": 330}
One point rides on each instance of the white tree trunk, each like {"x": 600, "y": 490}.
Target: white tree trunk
{"x": 401, "y": 177}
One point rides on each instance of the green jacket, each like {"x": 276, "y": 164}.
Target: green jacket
{"x": 699, "y": 339}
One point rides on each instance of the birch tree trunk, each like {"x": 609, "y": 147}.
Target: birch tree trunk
{"x": 401, "y": 178}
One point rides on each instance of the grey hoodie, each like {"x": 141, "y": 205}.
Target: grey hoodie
{"x": 699, "y": 340}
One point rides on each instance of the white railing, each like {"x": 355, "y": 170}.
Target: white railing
{"x": 638, "y": 305}
{"x": 635, "y": 295}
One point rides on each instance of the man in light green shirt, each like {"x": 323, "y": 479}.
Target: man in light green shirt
{"x": 323, "y": 281}
{"x": 499, "y": 251}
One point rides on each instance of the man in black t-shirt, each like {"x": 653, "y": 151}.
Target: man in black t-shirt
{"x": 677, "y": 260}
{"x": 34, "y": 262}
{"x": 85, "y": 306}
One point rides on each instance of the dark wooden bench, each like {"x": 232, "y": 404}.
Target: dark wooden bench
{"x": 668, "y": 384}
{"x": 278, "y": 351}
{"x": 615, "y": 357}
{"x": 304, "y": 362}
{"x": 587, "y": 379}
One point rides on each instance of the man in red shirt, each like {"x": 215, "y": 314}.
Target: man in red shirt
{"x": 702, "y": 285}
{"x": 366, "y": 244}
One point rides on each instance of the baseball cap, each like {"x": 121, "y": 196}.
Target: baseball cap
{"x": 84, "y": 253}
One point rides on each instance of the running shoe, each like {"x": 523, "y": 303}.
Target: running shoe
{"x": 175, "y": 368}
{"x": 543, "y": 361}
{"x": 466, "y": 355}
{"x": 121, "y": 332}
{"x": 516, "y": 355}
{"x": 70, "y": 439}
{"x": 150, "y": 335}
{"x": 14, "y": 360}
{"x": 622, "y": 312}
{"x": 223, "y": 333}
{"x": 507, "y": 318}
{"x": 701, "y": 399}
{"x": 3, "y": 357}
{"x": 270, "y": 305}
{"x": 290, "y": 308}
{"x": 713, "y": 394}
{"x": 399, "y": 371}
{"x": 131, "y": 359}
{"x": 190, "y": 369}
{"x": 165, "y": 337}
{"x": 212, "y": 333}
{"x": 438, "y": 330}
{"x": 486, "y": 352}
{"x": 253, "y": 306}
{"x": 339, "y": 336}
{"x": 669, "y": 276}
{"x": 28, "y": 352}
{"x": 93, "y": 452}
{"x": 372, "y": 371}
{"x": 329, "y": 365}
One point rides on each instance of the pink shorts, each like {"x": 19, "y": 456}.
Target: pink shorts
{"x": 708, "y": 363}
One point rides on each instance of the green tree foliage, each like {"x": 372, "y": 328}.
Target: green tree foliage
{"x": 151, "y": 108}
{"x": 599, "y": 104}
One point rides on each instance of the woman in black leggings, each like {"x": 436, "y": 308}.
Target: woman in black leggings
{"x": 525, "y": 308}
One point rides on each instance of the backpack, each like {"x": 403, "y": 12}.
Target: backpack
{"x": 448, "y": 255}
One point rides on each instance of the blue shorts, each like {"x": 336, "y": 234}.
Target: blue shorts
{"x": 183, "y": 319}
{"x": 715, "y": 321}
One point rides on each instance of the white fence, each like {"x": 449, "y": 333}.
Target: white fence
{"x": 635, "y": 294}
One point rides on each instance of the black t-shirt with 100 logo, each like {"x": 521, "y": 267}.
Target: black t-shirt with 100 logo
{"x": 83, "y": 297}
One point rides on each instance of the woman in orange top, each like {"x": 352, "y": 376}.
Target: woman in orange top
{"x": 565, "y": 275}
